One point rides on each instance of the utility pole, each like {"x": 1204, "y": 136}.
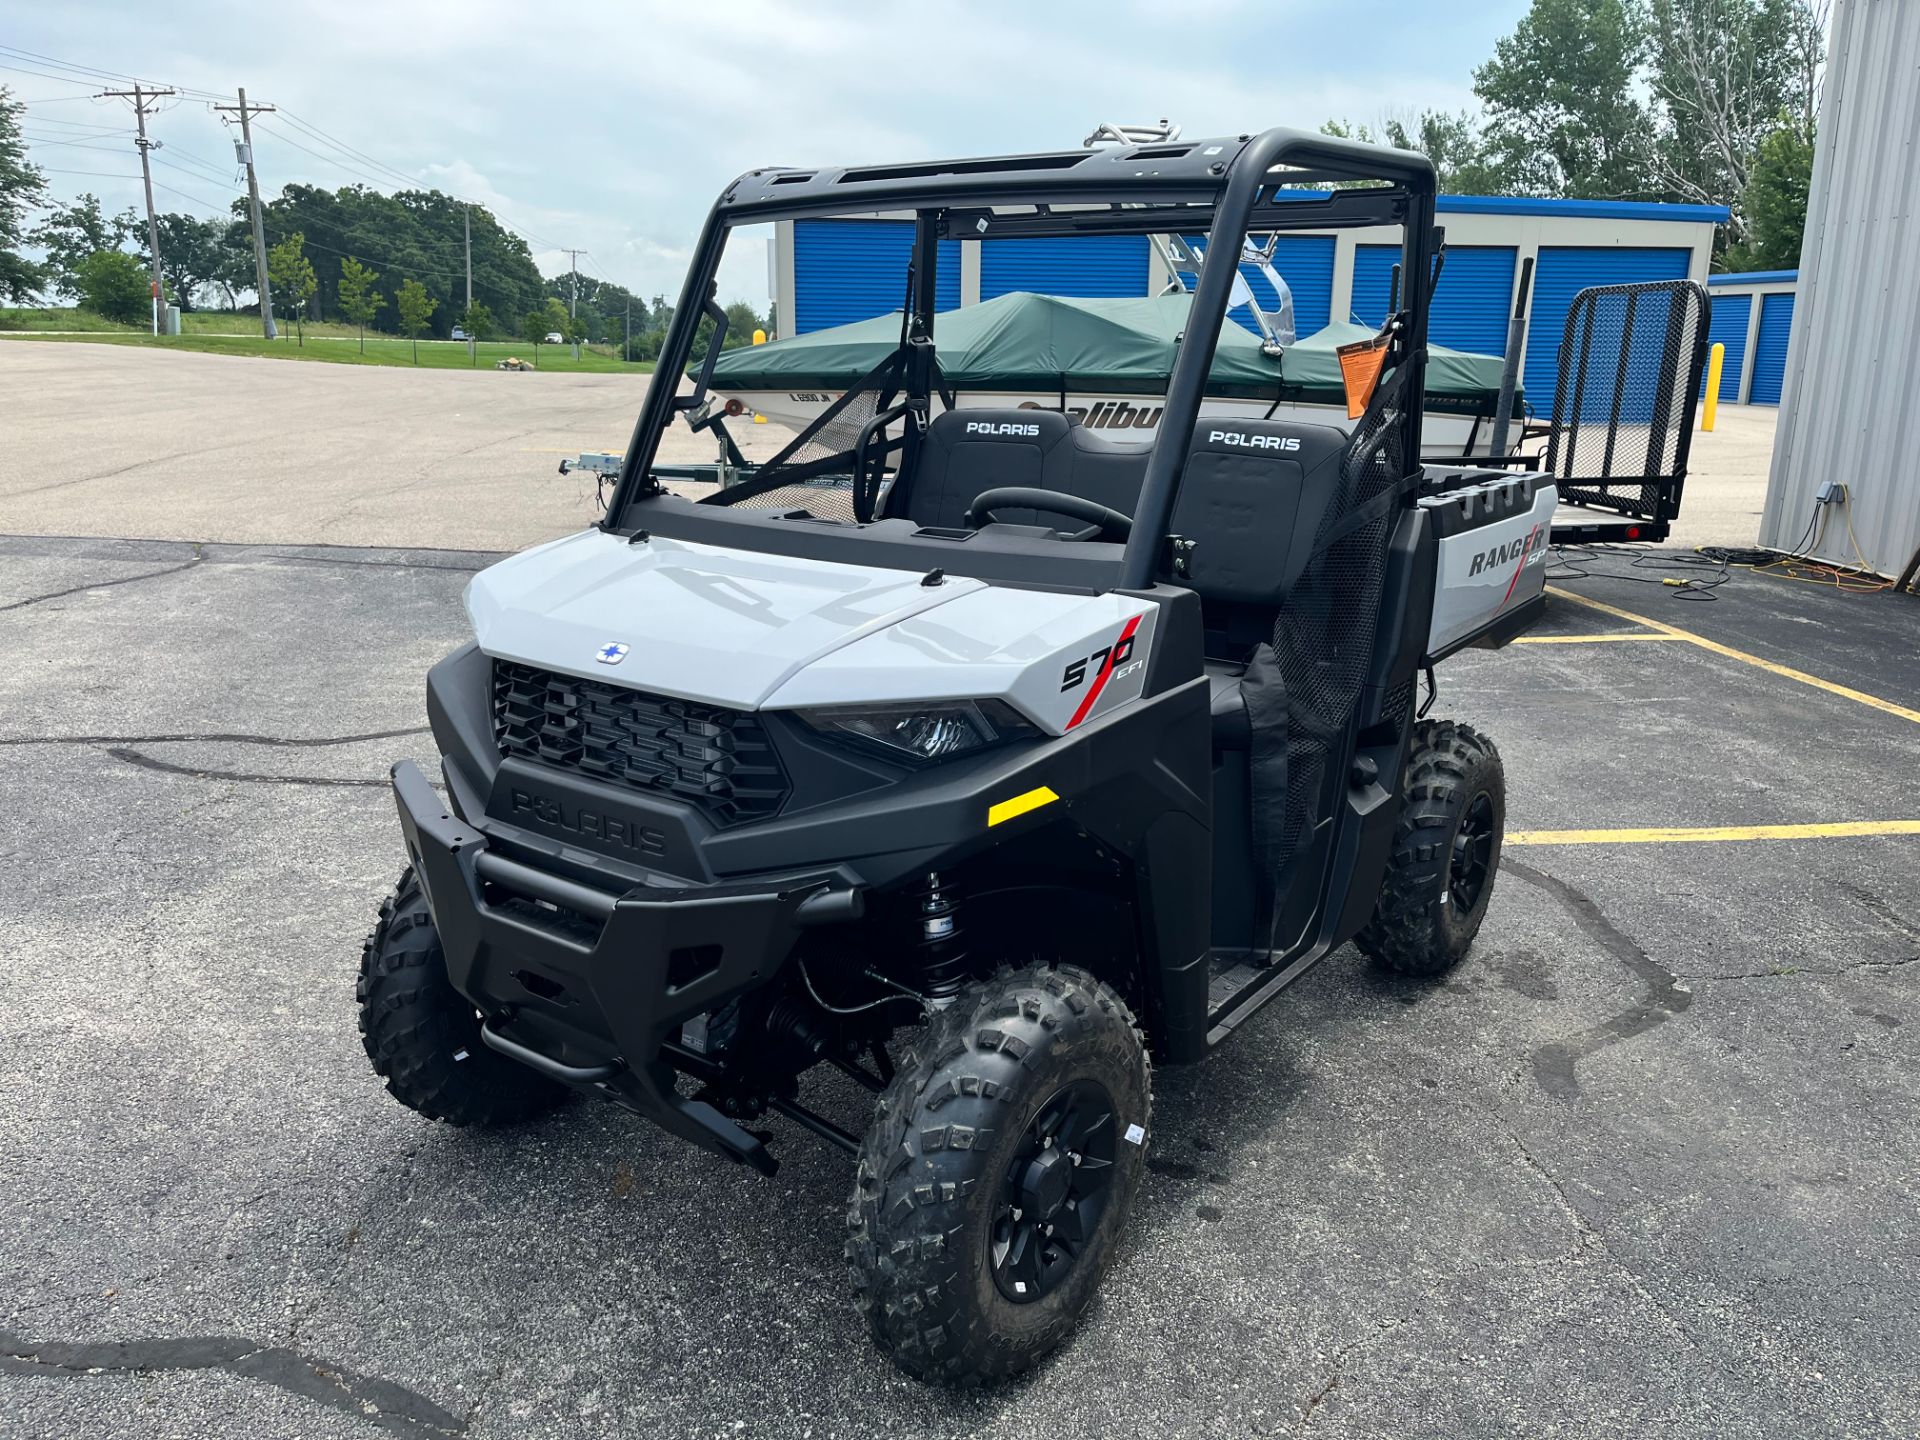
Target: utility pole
{"x": 143, "y": 99}
{"x": 573, "y": 292}
{"x": 466, "y": 223}
{"x": 253, "y": 203}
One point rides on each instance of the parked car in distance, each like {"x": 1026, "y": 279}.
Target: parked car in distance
{"x": 554, "y": 337}
{"x": 459, "y": 333}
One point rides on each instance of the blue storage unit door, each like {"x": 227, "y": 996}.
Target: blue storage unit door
{"x": 1770, "y": 348}
{"x": 1561, "y": 273}
{"x": 1081, "y": 266}
{"x": 1728, "y": 327}
{"x": 847, "y": 270}
{"x": 1470, "y": 308}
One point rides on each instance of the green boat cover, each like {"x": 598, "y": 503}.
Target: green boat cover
{"x": 1022, "y": 343}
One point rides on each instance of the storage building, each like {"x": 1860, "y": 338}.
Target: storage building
{"x": 1752, "y": 317}
{"x": 830, "y": 272}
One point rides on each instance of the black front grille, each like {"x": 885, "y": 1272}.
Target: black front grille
{"x": 719, "y": 760}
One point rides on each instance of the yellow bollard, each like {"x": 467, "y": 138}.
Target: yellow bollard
{"x": 1716, "y": 358}
{"x": 759, "y": 337}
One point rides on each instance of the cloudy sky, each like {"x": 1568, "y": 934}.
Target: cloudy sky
{"x": 612, "y": 126}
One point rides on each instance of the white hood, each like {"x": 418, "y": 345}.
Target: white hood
{"x": 724, "y": 626}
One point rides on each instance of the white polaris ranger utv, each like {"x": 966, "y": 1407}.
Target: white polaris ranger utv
{"x": 976, "y": 755}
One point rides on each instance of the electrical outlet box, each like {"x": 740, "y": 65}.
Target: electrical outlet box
{"x": 1830, "y": 492}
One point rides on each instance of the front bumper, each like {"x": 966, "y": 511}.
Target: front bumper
{"x": 589, "y": 986}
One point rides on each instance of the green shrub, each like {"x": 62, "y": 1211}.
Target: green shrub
{"x": 115, "y": 285}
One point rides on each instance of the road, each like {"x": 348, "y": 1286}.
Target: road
{"x": 122, "y": 441}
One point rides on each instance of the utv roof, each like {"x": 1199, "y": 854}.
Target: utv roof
{"x": 1189, "y": 175}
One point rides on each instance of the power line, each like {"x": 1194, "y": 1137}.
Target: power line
{"x": 98, "y": 74}
{"x": 213, "y": 205}
{"x": 75, "y": 124}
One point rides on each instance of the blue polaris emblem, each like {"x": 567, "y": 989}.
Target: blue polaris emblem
{"x": 612, "y": 653}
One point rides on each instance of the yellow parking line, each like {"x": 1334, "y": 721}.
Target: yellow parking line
{"x": 1691, "y": 835}
{"x": 1784, "y": 671}
{"x": 1592, "y": 639}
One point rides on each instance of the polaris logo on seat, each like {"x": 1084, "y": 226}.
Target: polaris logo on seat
{"x": 1254, "y": 442}
{"x": 983, "y": 427}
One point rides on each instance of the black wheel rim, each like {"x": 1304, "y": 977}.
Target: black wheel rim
{"x": 1054, "y": 1192}
{"x": 1472, "y": 854}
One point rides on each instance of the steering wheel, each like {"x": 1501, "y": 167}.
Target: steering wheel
{"x": 1103, "y": 523}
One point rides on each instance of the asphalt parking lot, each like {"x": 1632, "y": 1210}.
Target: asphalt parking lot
{"x": 1647, "y": 1164}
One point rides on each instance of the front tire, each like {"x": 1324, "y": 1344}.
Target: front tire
{"x": 1446, "y": 852}
{"x": 423, "y": 1036}
{"x": 997, "y": 1175}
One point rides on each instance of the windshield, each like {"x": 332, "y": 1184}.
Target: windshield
{"x": 1054, "y": 351}
{"x": 1012, "y": 358}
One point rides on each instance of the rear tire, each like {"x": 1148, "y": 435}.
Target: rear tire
{"x": 423, "y": 1036}
{"x": 998, "y": 1173}
{"x": 1446, "y": 852}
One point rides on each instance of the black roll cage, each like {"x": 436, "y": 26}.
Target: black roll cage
{"x": 1224, "y": 187}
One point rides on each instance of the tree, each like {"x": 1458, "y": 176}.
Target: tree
{"x": 1451, "y": 141}
{"x": 359, "y": 301}
{"x": 192, "y": 254}
{"x": 533, "y": 329}
{"x": 115, "y": 285}
{"x": 291, "y": 275}
{"x": 71, "y": 233}
{"x": 477, "y": 321}
{"x": 1775, "y": 202}
{"x": 416, "y": 309}
{"x": 417, "y": 233}
{"x": 1726, "y": 74}
{"x": 577, "y": 333}
{"x": 1562, "y": 112}
{"x": 22, "y": 188}
{"x": 549, "y": 319}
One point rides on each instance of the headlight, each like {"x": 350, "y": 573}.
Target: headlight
{"x": 936, "y": 730}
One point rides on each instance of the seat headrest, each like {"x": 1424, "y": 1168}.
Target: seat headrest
{"x": 1024, "y": 427}
{"x": 1269, "y": 439}
{"x": 1250, "y": 501}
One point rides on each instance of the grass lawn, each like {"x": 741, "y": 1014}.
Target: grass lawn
{"x": 344, "y": 349}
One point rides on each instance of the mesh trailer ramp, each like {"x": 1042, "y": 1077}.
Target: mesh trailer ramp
{"x": 1630, "y": 365}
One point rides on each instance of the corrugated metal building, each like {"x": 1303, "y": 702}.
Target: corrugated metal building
{"x": 1853, "y": 363}
{"x": 828, "y": 272}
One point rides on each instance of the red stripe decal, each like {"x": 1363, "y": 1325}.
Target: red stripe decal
{"x": 1525, "y": 551}
{"x": 1106, "y": 669}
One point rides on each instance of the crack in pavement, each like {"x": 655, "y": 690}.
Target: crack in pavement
{"x": 394, "y": 1408}
{"x": 1554, "y": 1064}
{"x": 374, "y": 564}
{"x": 199, "y": 772}
{"x": 1787, "y": 972}
{"x": 1332, "y": 1382}
{"x": 120, "y": 747}
{"x": 1590, "y": 1235}
{"x": 105, "y": 584}
{"x": 214, "y": 738}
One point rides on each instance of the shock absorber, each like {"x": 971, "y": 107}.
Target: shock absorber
{"x": 941, "y": 953}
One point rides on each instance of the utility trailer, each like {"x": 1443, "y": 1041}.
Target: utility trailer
{"x": 1630, "y": 366}
{"x": 975, "y": 755}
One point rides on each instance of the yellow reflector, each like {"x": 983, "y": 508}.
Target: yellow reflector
{"x": 1020, "y": 805}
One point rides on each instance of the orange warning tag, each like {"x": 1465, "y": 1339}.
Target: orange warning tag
{"x": 1360, "y": 366}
